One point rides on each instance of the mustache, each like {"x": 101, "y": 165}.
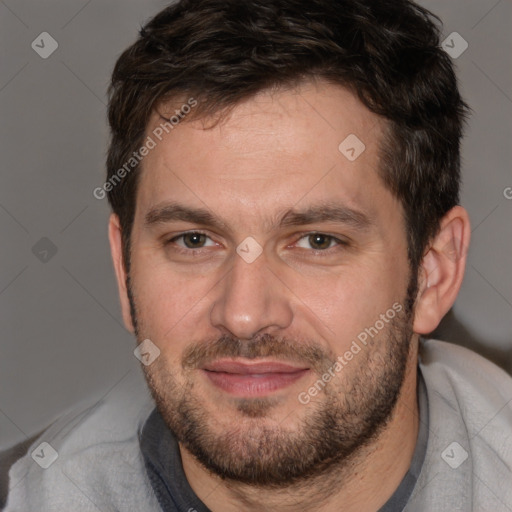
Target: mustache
{"x": 265, "y": 345}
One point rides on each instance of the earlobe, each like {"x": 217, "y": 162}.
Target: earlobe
{"x": 442, "y": 271}
{"x": 116, "y": 250}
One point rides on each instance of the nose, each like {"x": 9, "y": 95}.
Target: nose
{"x": 251, "y": 300}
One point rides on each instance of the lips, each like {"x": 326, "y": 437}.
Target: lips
{"x": 251, "y": 368}
{"x": 247, "y": 379}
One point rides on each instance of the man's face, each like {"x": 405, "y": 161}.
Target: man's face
{"x": 244, "y": 336}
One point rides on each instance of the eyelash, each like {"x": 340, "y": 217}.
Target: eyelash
{"x": 339, "y": 242}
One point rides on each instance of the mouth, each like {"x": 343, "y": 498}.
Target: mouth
{"x": 251, "y": 379}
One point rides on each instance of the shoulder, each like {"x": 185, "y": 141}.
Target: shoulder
{"x": 458, "y": 373}
{"x": 469, "y": 453}
{"x": 89, "y": 458}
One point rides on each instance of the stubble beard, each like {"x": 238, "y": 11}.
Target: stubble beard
{"x": 348, "y": 416}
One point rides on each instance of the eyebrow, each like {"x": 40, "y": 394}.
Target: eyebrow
{"x": 326, "y": 212}
{"x": 170, "y": 212}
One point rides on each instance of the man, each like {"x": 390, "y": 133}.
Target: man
{"x": 284, "y": 178}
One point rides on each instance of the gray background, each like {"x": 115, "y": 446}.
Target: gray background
{"x": 62, "y": 334}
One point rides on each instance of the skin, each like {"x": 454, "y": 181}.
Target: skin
{"x": 278, "y": 152}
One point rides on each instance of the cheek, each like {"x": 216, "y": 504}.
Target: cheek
{"x": 346, "y": 302}
{"x": 169, "y": 304}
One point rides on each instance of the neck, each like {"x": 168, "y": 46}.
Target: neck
{"x": 363, "y": 482}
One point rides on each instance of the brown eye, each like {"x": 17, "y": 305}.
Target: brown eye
{"x": 194, "y": 240}
{"x": 320, "y": 242}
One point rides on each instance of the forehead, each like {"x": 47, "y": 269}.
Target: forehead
{"x": 276, "y": 150}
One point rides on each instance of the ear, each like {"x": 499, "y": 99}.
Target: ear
{"x": 116, "y": 249}
{"x": 442, "y": 270}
